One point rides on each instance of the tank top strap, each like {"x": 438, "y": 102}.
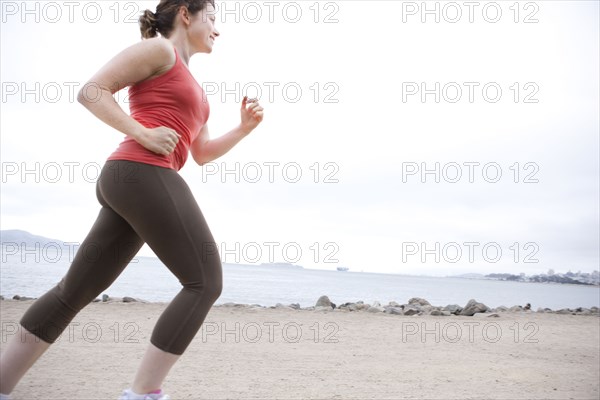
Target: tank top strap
{"x": 179, "y": 62}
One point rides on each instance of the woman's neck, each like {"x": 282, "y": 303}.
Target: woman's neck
{"x": 183, "y": 48}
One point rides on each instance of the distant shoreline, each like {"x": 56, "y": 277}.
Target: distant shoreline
{"x": 508, "y": 280}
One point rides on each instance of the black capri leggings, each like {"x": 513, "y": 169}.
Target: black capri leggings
{"x": 140, "y": 203}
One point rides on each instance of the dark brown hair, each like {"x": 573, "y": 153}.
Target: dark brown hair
{"x": 162, "y": 20}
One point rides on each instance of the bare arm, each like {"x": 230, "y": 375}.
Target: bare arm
{"x": 205, "y": 150}
{"x": 139, "y": 62}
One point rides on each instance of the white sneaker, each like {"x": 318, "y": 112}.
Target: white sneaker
{"x": 129, "y": 394}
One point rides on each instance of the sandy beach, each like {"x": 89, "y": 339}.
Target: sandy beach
{"x": 281, "y": 353}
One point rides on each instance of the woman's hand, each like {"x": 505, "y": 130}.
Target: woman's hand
{"x": 160, "y": 140}
{"x": 252, "y": 114}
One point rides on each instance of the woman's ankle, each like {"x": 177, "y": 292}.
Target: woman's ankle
{"x": 143, "y": 392}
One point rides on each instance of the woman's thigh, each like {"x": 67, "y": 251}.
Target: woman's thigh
{"x": 160, "y": 207}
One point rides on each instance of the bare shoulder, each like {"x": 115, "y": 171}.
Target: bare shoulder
{"x": 158, "y": 53}
{"x": 159, "y": 48}
{"x": 138, "y": 62}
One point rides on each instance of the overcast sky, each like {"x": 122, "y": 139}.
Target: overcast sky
{"x": 334, "y": 174}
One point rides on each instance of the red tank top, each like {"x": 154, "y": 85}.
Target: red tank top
{"x": 173, "y": 99}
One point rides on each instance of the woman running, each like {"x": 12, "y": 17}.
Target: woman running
{"x": 143, "y": 197}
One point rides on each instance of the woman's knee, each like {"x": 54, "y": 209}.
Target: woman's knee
{"x": 213, "y": 272}
{"x": 214, "y": 290}
{"x": 208, "y": 283}
{"x": 208, "y": 290}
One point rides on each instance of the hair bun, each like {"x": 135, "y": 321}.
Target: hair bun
{"x": 147, "y": 23}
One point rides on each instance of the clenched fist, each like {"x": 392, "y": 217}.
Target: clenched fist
{"x": 160, "y": 140}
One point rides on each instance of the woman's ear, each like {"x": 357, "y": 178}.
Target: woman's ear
{"x": 185, "y": 15}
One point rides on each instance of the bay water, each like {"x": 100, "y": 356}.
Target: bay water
{"x": 148, "y": 279}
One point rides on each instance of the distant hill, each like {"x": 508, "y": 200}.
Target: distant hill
{"x": 16, "y": 237}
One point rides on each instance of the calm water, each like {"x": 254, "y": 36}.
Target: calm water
{"x": 150, "y": 280}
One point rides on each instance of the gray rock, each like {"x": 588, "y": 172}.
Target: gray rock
{"x": 1, "y": 297}
{"x": 473, "y": 307}
{"x": 540, "y": 310}
{"x": 279, "y": 305}
{"x": 435, "y": 312}
{"x": 362, "y": 306}
{"x": 104, "y": 297}
{"x": 446, "y": 313}
{"x": 394, "y": 310}
{"x": 17, "y": 297}
{"x": 323, "y": 301}
{"x": 376, "y": 304}
{"x": 501, "y": 309}
{"x": 415, "y": 307}
{"x": 375, "y": 309}
{"x": 452, "y": 308}
{"x": 237, "y": 305}
{"x": 427, "y": 309}
{"x": 127, "y": 299}
{"x": 486, "y": 315}
{"x": 322, "y": 308}
{"x": 394, "y": 304}
{"x": 349, "y": 306}
{"x": 419, "y": 301}
{"x": 295, "y": 306}
{"x": 564, "y": 311}
{"x": 515, "y": 309}
{"x": 410, "y": 311}
{"x": 96, "y": 300}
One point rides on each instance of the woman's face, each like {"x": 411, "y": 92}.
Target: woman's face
{"x": 202, "y": 31}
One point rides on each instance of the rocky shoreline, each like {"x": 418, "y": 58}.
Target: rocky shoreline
{"x": 414, "y": 306}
